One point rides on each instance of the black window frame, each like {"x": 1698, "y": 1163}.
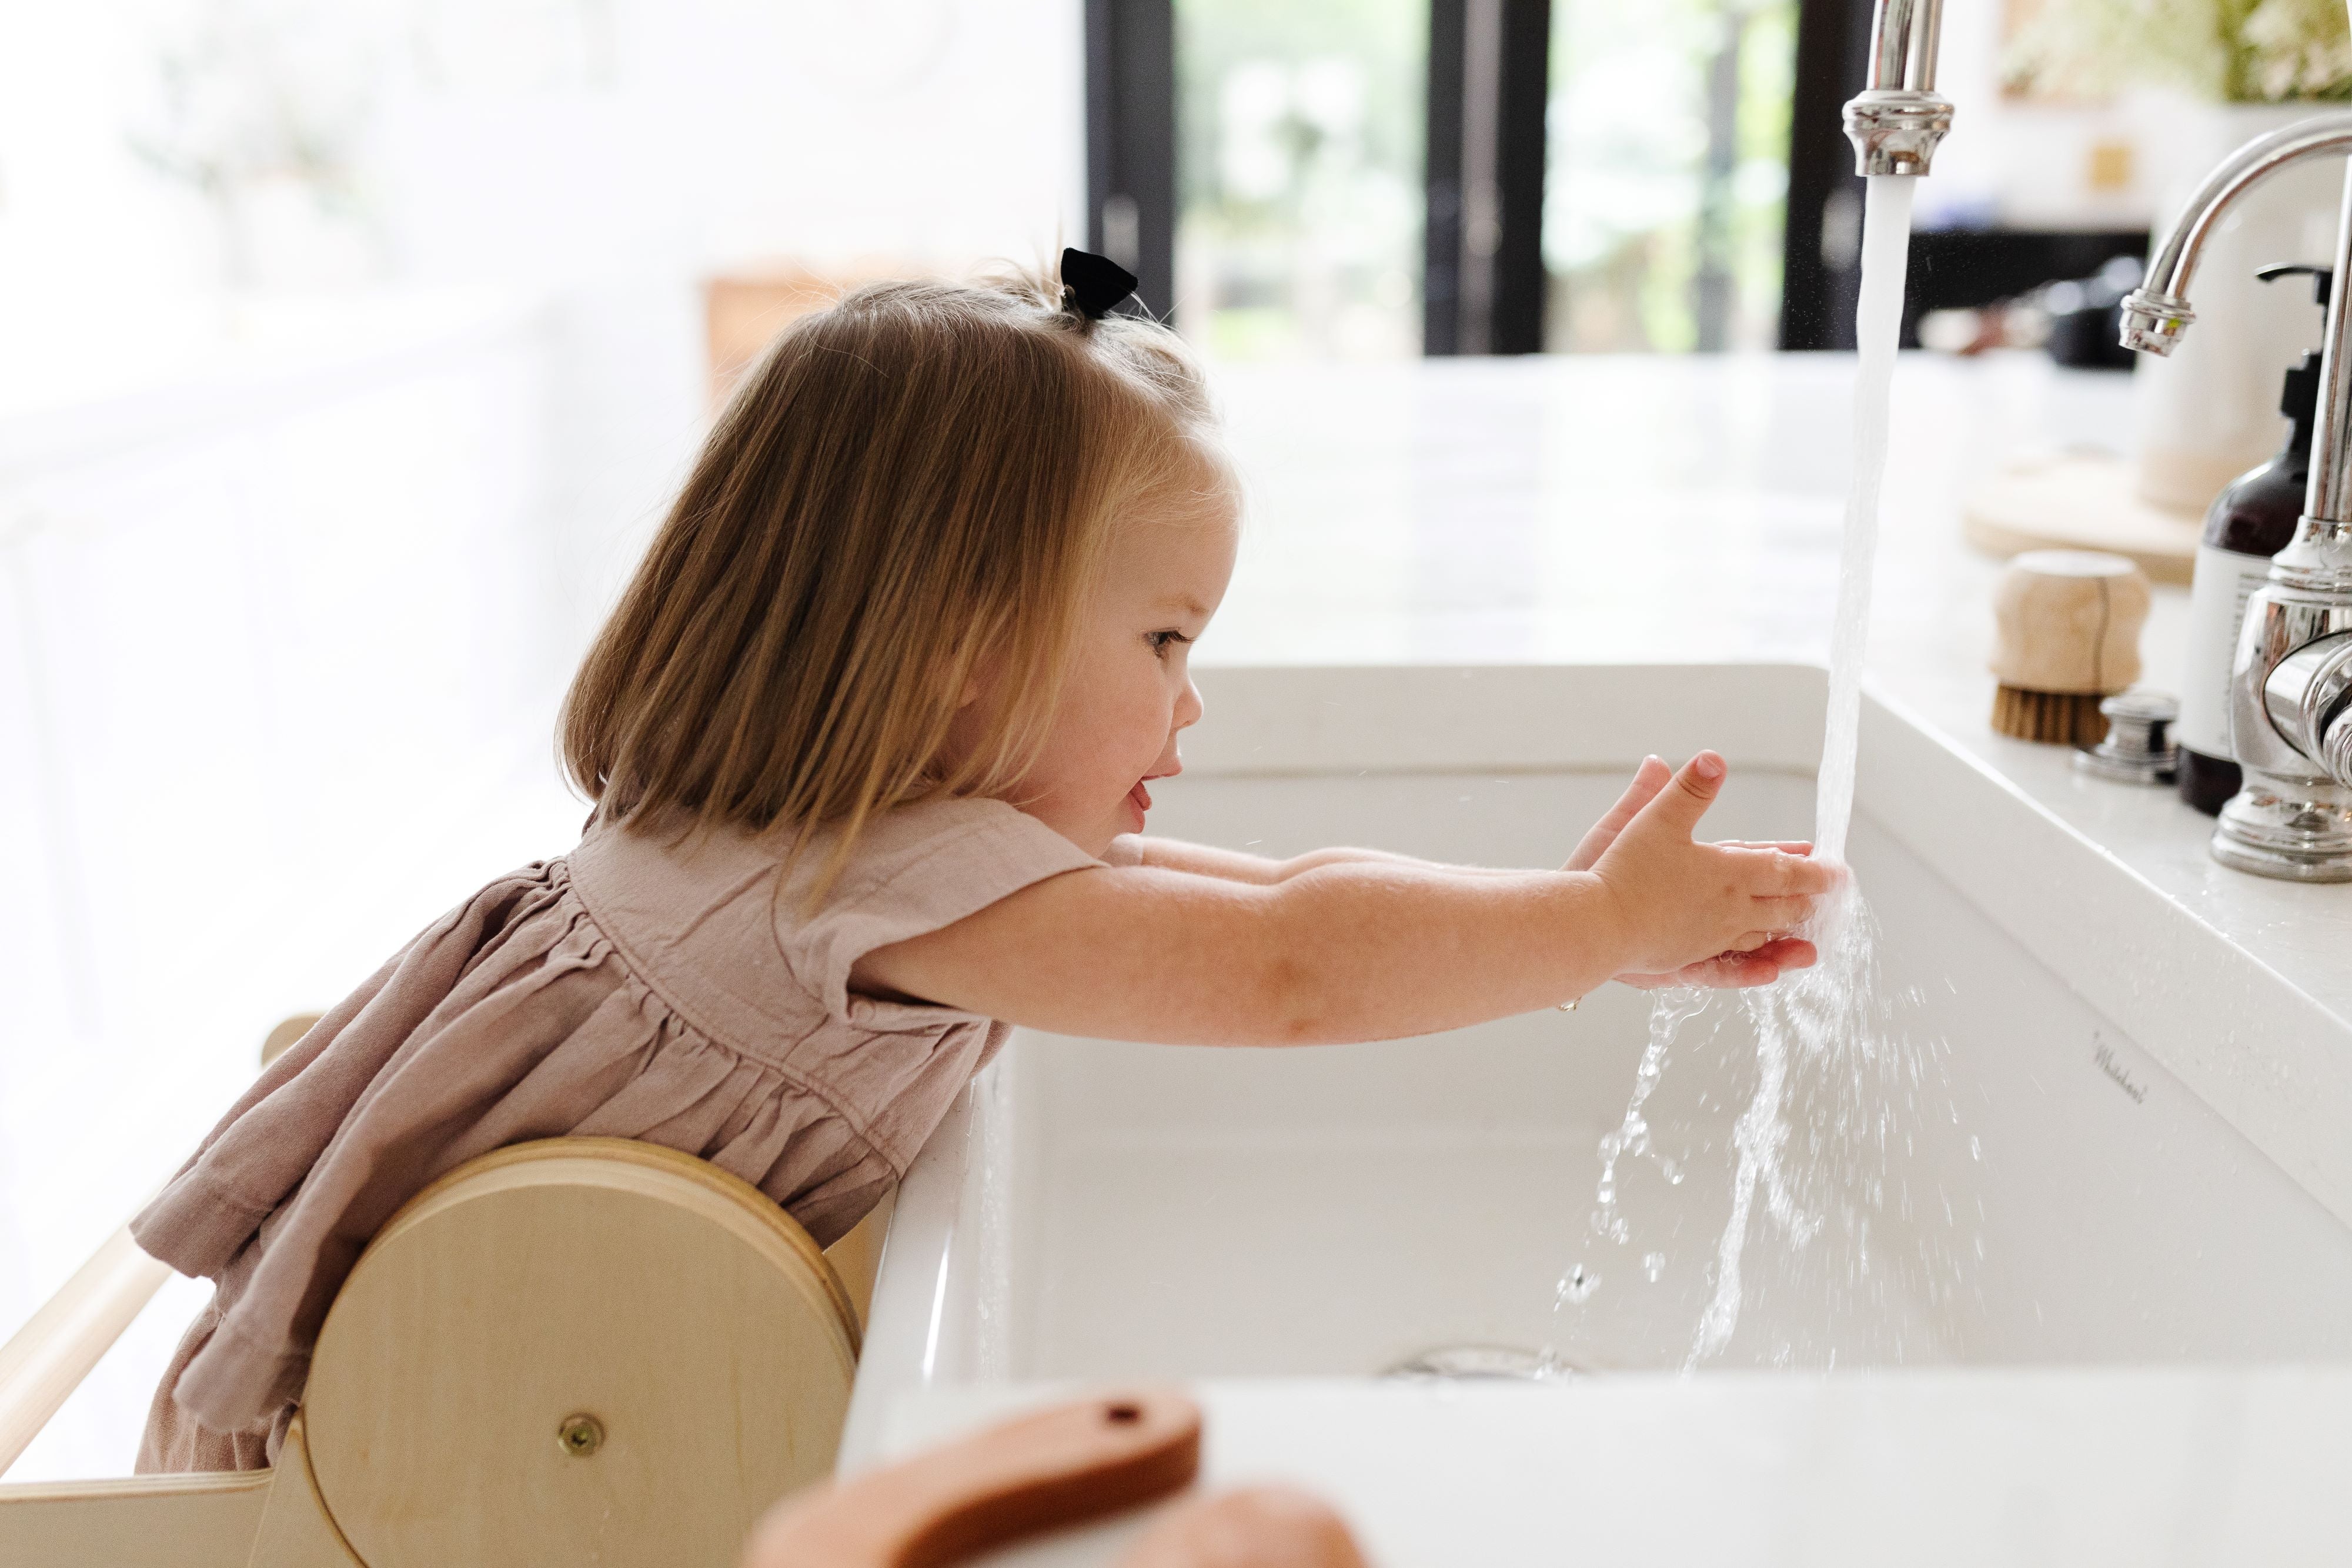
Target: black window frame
{"x": 1484, "y": 285}
{"x": 1483, "y": 279}
{"x": 1131, "y": 143}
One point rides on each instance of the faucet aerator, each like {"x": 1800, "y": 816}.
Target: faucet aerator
{"x": 2153, "y": 322}
{"x": 1895, "y": 131}
{"x": 1898, "y": 118}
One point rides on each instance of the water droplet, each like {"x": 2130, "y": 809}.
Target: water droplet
{"x": 1976, "y": 1147}
{"x": 1576, "y": 1286}
{"x": 1673, "y": 1172}
{"x": 1654, "y": 1266}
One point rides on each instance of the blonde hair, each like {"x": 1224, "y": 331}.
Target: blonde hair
{"x": 914, "y": 480}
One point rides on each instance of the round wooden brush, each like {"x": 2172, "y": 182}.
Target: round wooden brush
{"x": 2069, "y": 625}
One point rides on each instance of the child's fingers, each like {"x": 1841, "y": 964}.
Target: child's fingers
{"x": 1739, "y": 970}
{"x": 1682, "y": 803}
{"x": 1783, "y": 914}
{"x": 1652, "y": 776}
{"x": 1786, "y": 846}
{"x": 1776, "y": 873}
{"x": 1731, "y": 971}
{"x": 1648, "y": 780}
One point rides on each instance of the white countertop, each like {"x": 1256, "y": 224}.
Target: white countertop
{"x": 1983, "y": 1466}
{"x": 1687, "y": 508}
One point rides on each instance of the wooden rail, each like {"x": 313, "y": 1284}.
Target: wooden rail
{"x": 49, "y": 1356}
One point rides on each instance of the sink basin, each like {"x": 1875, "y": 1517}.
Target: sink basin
{"x": 2094, "y": 1130}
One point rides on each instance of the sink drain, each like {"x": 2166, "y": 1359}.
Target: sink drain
{"x": 1484, "y": 1364}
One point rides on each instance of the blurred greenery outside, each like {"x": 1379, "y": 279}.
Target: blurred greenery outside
{"x": 1663, "y": 208}
{"x": 1300, "y": 146}
{"x": 1300, "y": 143}
{"x": 2226, "y": 51}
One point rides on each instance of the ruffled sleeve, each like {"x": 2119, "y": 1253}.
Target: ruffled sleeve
{"x": 915, "y": 870}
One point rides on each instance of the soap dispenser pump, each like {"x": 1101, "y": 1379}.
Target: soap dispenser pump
{"x": 2247, "y": 523}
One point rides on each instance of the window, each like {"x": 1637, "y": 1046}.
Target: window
{"x": 1666, "y": 173}
{"x": 1372, "y": 179}
{"x": 1298, "y": 155}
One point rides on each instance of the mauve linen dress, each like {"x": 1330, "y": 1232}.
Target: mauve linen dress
{"x": 648, "y": 984}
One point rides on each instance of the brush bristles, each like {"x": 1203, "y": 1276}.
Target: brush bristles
{"x": 2059, "y": 718}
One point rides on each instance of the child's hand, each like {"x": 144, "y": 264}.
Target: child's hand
{"x": 1674, "y": 896}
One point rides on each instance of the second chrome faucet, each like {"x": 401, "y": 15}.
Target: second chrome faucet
{"x": 2290, "y": 708}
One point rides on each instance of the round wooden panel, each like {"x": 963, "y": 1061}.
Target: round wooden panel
{"x": 579, "y": 1351}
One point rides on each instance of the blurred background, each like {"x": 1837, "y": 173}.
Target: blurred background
{"x": 349, "y": 349}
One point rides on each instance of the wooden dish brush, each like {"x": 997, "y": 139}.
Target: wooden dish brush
{"x": 2069, "y": 623}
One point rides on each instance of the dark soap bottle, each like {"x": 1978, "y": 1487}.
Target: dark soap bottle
{"x": 2247, "y": 523}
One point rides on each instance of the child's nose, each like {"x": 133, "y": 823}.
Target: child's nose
{"x": 1189, "y": 707}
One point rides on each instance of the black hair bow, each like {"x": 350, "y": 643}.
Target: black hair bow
{"x": 1096, "y": 282}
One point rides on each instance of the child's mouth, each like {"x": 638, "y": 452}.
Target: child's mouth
{"x": 1140, "y": 798}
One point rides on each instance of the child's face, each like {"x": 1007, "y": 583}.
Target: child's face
{"x": 1130, "y": 690}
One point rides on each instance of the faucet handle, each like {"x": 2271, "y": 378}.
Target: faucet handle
{"x": 2307, "y": 697}
{"x": 2139, "y": 748}
{"x": 2323, "y": 278}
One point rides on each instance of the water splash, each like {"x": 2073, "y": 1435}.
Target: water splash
{"x": 1809, "y": 1019}
{"x": 1667, "y": 1011}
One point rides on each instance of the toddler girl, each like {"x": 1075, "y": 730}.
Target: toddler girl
{"x": 871, "y": 738}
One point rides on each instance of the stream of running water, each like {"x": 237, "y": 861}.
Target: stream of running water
{"x": 1877, "y": 327}
{"x": 1827, "y": 1008}
{"x": 1827, "y": 1026}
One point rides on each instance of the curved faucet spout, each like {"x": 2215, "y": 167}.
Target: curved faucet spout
{"x": 2156, "y": 313}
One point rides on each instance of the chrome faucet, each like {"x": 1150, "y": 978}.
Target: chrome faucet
{"x": 2291, "y": 683}
{"x": 1898, "y": 118}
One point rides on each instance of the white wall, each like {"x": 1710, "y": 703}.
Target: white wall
{"x": 674, "y": 139}
{"x": 609, "y": 154}
{"x": 274, "y": 690}
{"x": 549, "y": 140}
{"x": 291, "y": 571}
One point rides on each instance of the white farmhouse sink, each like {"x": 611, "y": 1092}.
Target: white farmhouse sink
{"x": 2118, "y": 1139}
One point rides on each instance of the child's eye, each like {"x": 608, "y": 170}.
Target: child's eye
{"x": 1161, "y": 641}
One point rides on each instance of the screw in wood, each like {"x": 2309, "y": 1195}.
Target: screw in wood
{"x": 581, "y": 1435}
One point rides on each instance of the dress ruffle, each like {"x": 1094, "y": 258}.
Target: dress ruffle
{"x": 512, "y": 1018}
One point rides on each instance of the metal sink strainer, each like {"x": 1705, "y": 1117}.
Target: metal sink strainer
{"x": 1484, "y": 1364}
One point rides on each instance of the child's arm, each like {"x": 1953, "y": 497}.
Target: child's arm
{"x": 1200, "y": 860}
{"x": 1357, "y": 950}
{"x": 1233, "y": 865}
